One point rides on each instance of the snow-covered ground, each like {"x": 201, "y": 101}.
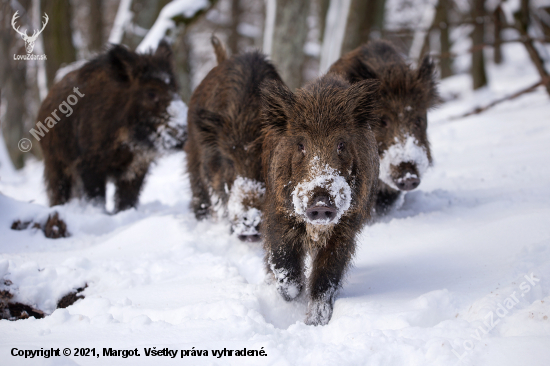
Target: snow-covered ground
{"x": 440, "y": 281}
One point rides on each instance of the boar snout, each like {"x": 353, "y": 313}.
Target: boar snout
{"x": 172, "y": 135}
{"x": 254, "y": 238}
{"x": 408, "y": 177}
{"x": 321, "y": 210}
{"x": 407, "y": 184}
{"x": 403, "y": 164}
{"x": 324, "y": 199}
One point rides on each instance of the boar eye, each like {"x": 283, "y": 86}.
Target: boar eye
{"x": 301, "y": 148}
{"x": 419, "y": 122}
{"x": 383, "y": 122}
{"x": 341, "y": 147}
{"x": 152, "y": 95}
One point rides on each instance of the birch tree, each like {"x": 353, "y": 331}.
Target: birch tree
{"x": 335, "y": 29}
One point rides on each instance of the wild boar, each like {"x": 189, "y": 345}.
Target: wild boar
{"x": 109, "y": 120}
{"x": 224, "y": 148}
{"x": 320, "y": 166}
{"x": 405, "y": 97}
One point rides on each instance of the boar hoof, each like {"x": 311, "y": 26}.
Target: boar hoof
{"x": 319, "y": 313}
{"x": 289, "y": 291}
{"x": 254, "y": 238}
{"x": 201, "y": 212}
{"x": 408, "y": 184}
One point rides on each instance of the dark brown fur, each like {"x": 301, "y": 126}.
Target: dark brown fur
{"x": 224, "y": 124}
{"x": 115, "y": 130}
{"x": 329, "y": 120}
{"x": 405, "y": 97}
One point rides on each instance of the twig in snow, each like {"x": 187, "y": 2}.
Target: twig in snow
{"x": 479, "y": 110}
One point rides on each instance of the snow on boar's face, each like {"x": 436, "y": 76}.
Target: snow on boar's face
{"x": 324, "y": 159}
{"x": 401, "y": 134}
{"x": 157, "y": 115}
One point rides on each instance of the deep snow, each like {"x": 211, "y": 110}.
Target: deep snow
{"x": 425, "y": 279}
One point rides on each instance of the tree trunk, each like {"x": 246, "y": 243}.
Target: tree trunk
{"x": 323, "y": 10}
{"x": 13, "y": 81}
{"x": 497, "y": 49}
{"x": 442, "y": 20}
{"x": 233, "y": 39}
{"x": 182, "y": 51}
{"x": 421, "y": 39}
{"x": 544, "y": 19}
{"x": 96, "y": 25}
{"x": 361, "y": 19}
{"x": 522, "y": 24}
{"x": 479, "y": 76}
{"x": 58, "y": 36}
{"x": 289, "y": 37}
{"x": 145, "y": 13}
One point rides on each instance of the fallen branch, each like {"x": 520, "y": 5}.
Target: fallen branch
{"x": 483, "y": 45}
{"x": 479, "y": 110}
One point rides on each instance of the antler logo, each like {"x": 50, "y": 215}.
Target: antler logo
{"x": 29, "y": 41}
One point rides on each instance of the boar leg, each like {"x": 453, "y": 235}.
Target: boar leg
{"x": 385, "y": 199}
{"x": 328, "y": 268}
{"x": 201, "y": 199}
{"x": 94, "y": 185}
{"x": 59, "y": 184}
{"x": 127, "y": 191}
{"x": 286, "y": 261}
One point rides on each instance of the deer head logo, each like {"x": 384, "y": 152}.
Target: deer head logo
{"x": 29, "y": 41}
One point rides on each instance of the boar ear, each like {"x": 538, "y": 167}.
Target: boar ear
{"x": 209, "y": 123}
{"x": 277, "y": 103}
{"x": 122, "y": 62}
{"x": 360, "y": 71}
{"x": 362, "y": 101}
{"x": 164, "y": 50}
{"x": 426, "y": 75}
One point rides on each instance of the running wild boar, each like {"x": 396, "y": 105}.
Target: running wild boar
{"x": 405, "y": 96}
{"x": 224, "y": 148}
{"x": 109, "y": 120}
{"x": 320, "y": 166}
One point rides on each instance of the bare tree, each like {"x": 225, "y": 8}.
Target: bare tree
{"x": 363, "y": 16}
{"x": 58, "y": 36}
{"x": 522, "y": 24}
{"x": 96, "y": 25}
{"x": 289, "y": 37}
{"x": 145, "y": 13}
{"x": 13, "y": 79}
{"x": 498, "y": 16}
{"x": 479, "y": 76}
{"x": 322, "y": 14}
{"x": 442, "y": 22}
{"x": 233, "y": 39}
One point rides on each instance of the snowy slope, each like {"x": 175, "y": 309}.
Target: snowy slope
{"x": 428, "y": 283}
